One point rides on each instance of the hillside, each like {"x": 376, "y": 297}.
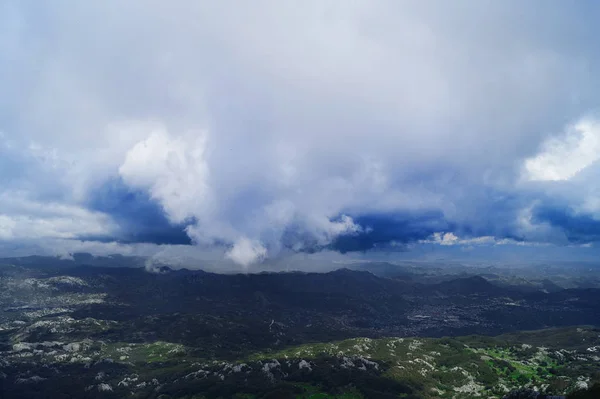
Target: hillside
{"x": 124, "y": 332}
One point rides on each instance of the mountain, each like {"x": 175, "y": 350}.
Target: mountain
{"x": 111, "y": 324}
{"x": 475, "y": 285}
{"x": 76, "y": 259}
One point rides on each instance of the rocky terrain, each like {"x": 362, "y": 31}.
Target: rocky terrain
{"x": 124, "y": 332}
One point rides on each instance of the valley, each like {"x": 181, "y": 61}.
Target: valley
{"x": 115, "y": 332}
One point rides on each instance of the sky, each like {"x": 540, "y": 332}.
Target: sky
{"x": 245, "y": 132}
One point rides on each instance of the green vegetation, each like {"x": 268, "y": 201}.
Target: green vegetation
{"x": 463, "y": 367}
{"x": 553, "y": 361}
{"x": 158, "y": 351}
{"x": 457, "y": 368}
{"x": 314, "y": 392}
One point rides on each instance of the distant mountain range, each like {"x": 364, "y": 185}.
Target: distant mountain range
{"x": 67, "y": 313}
{"x": 312, "y": 306}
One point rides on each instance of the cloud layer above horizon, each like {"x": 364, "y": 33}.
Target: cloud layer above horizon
{"x": 256, "y": 129}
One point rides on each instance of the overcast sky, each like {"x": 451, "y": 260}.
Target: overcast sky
{"x": 245, "y": 131}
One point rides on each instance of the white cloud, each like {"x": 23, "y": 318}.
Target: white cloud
{"x": 23, "y": 218}
{"x": 450, "y": 239}
{"x": 251, "y": 118}
{"x": 173, "y": 170}
{"x": 245, "y": 252}
{"x": 7, "y": 226}
{"x": 564, "y": 157}
{"x": 326, "y": 230}
{"x": 445, "y": 239}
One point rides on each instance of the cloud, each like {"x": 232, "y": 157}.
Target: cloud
{"x": 563, "y": 157}
{"x": 576, "y": 227}
{"x": 24, "y": 218}
{"x": 382, "y": 230}
{"x": 138, "y": 218}
{"x": 173, "y": 170}
{"x": 246, "y": 252}
{"x": 255, "y": 129}
{"x": 451, "y": 239}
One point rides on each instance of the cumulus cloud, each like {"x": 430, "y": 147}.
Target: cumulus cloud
{"x": 563, "y": 157}
{"x": 246, "y": 252}
{"x": 255, "y": 129}
{"x": 173, "y": 170}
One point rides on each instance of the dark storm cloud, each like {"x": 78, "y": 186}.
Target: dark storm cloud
{"x": 255, "y": 128}
{"x": 140, "y": 219}
{"x": 578, "y": 228}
